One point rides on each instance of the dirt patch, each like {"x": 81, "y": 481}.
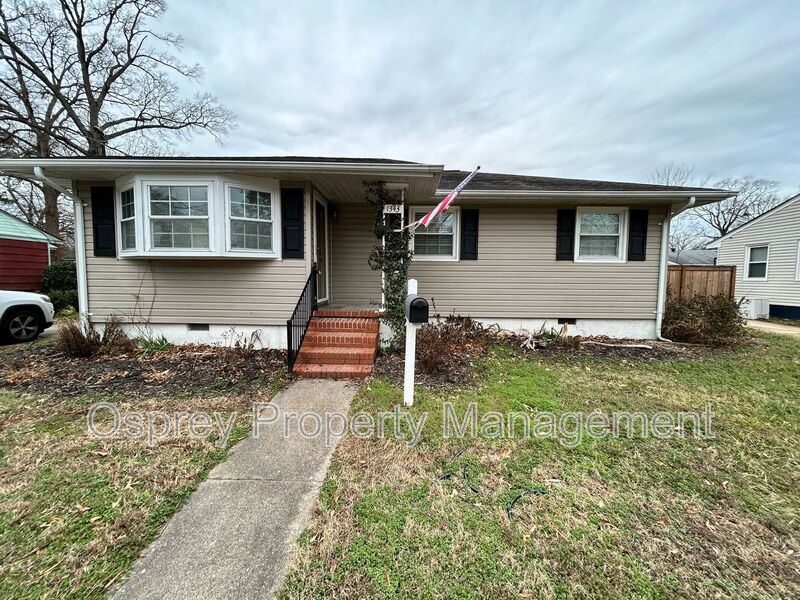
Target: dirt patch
{"x": 40, "y": 369}
{"x": 603, "y": 347}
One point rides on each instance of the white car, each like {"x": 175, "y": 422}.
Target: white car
{"x": 23, "y": 315}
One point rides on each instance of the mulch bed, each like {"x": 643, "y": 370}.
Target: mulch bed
{"x": 40, "y": 369}
{"x": 464, "y": 365}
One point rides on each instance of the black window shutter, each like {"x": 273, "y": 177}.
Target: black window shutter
{"x": 565, "y": 234}
{"x": 103, "y": 225}
{"x": 292, "y": 210}
{"x": 469, "y": 234}
{"x": 637, "y": 234}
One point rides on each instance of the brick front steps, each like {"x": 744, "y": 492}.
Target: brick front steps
{"x": 339, "y": 344}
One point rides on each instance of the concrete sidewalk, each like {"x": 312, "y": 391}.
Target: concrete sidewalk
{"x": 775, "y": 328}
{"x": 234, "y": 537}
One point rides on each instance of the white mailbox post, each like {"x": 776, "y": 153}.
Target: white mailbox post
{"x": 417, "y": 313}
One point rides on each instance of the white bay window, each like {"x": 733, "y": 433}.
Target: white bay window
{"x": 211, "y": 216}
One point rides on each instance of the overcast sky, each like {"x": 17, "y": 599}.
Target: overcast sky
{"x": 604, "y": 90}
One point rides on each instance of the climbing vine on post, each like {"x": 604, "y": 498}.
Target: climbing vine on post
{"x": 390, "y": 258}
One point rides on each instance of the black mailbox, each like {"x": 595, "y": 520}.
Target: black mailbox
{"x": 416, "y": 309}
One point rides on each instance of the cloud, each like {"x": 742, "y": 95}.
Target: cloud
{"x": 576, "y": 89}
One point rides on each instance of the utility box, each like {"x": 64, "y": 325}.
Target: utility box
{"x": 417, "y": 310}
{"x": 756, "y": 308}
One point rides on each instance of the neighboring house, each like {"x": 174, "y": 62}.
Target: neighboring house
{"x": 191, "y": 247}
{"x": 24, "y": 254}
{"x": 692, "y": 257}
{"x": 766, "y": 252}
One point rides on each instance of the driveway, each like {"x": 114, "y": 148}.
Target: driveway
{"x": 775, "y": 328}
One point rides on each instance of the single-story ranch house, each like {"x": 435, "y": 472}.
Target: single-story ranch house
{"x": 191, "y": 247}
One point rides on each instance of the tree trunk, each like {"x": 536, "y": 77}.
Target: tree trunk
{"x": 51, "y": 221}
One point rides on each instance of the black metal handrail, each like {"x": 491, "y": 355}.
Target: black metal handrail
{"x": 297, "y": 325}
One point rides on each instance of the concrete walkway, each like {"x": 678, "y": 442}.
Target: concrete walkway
{"x": 775, "y": 328}
{"x": 234, "y": 537}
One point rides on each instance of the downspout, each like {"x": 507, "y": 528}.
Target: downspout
{"x": 662, "y": 267}
{"x": 80, "y": 246}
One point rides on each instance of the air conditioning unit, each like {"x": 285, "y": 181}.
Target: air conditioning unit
{"x": 756, "y": 308}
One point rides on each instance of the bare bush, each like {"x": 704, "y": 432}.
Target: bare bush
{"x": 710, "y": 320}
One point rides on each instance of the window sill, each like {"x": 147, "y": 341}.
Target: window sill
{"x": 194, "y": 255}
{"x": 416, "y": 258}
{"x": 608, "y": 261}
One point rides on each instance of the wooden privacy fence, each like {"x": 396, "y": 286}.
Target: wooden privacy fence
{"x": 688, "y": 281}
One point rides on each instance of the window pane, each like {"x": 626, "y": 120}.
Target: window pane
{"x": 759, "y": 254}
{"x": 159, "y": 208}
{"x": 178, "y": 193}
{"x": 251, "y": 211}
{"x": 128, "y": 235}
{"x": 180, "y": 233}
{"x": 180, "y": 209}
{"x": 599, "y": 245}
{"x": 600, "y": 223}
{"x": 442, "y": 223}
{"x": 128, "y": 210}
{"x": 199, "y": 193}
{"x": 237, "y": 209}
{"x": 757, "y": 270}
{"x": 433, "y": 245}
{"x": 159, "y": 193}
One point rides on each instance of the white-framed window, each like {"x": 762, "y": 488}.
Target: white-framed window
{"x": 127, "y": 221}
{"x": 251, "y": 219}
{"x": 601, "y": 234}
{"x": 439, "y": 240}
{"x": 756, "y": 262}
{"x": 179, "y": 216}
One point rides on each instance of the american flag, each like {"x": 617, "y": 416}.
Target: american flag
{"x": 445, "y": 203}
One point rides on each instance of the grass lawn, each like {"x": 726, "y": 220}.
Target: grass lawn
{"x": 75, "y": 511}
{"x": 644, "y": 518}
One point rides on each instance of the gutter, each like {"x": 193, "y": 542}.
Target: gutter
{"x": 418, "y": 170}
{"x": 80, "y": 246}
{"x": 662, "y": 267}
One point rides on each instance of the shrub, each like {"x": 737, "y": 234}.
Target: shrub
{"x": 710, "y": 320}
{"x": 447, "y": 344}
{"x": 64, "y": 299}
{"x": 73, "y": 341}
{"x": 149, "y": 344}
{"x": 114, "y": 339}
{"x": 60, "y": 276}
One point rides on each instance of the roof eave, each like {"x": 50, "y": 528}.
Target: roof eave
{"x": 655, "y": 194}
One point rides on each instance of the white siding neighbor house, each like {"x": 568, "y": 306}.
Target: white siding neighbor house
{"x": 191, "y": 248}
{"x": 766, "y": 253}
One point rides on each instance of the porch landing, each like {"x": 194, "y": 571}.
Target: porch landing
{"x": 339, "y": 344}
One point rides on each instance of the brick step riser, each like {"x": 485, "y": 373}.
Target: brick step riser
{"x": 348, "y": 314}
{"x": 342, "y": 327}
{"x": 340, "y": 340}
{"x": 317, "y": 371}
{"x": 305, "y": 358}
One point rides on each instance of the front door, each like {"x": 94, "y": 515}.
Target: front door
{"x": 321, "y": 249}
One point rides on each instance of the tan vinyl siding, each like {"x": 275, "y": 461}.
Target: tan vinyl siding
{"x": 192, "y": 290}
{"x": 353, "y": 283}
{"x": 781, "y": 231}
{"x": 516, "y": 274}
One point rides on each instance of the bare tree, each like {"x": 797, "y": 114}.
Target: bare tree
{"x": 694, "y": 227}
{"x": 92, "y": 77}
{"x": 753, "y": 198}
